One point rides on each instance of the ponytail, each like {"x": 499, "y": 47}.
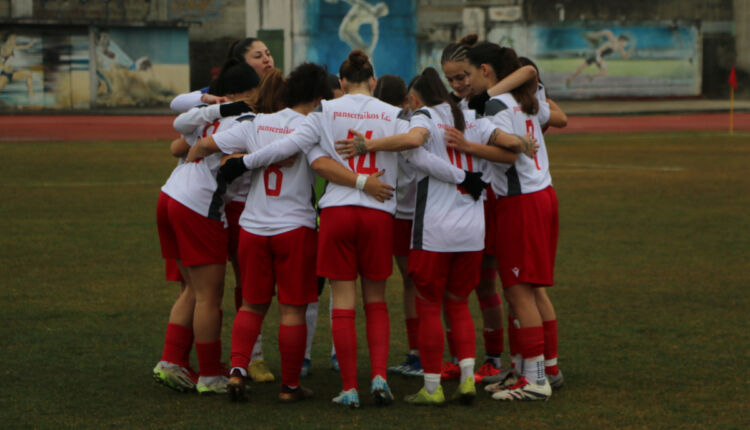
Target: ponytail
{"x": 431, "y": 90}
{"x": 271, "y": 93}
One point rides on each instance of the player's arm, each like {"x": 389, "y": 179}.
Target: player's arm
{"x": 557, "y": 117}
{"x": 359, "y": 145}
{"x": 187, "y": 122}
{"x": 434, "y": 166}
{"x": 179, "y": 147}
{"x": 203, "y": 148}
{"x": 333, "y": 171}
{"x": 513, "y": 81}
{"x": 502, "y": 149}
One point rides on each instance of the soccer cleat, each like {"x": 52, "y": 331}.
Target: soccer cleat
{"x": 503, "y": 380}
{"x": 348, "y": 398}
{"x": 174, "y": 376}
{"x": 466, "y": 392}
{"x": 212, "y": 384}
{"x": 381, "y": 392}
{"x": 414, "y": 368}
{"x": 237, "y": 386}
{"x": 259, "y": 372}
{"x": 525, "y": 390}
{"x": 556, "y": 381}
{"x": 423, "y": 398}
{"x": 292, "y": 395}
{"x": 400, "y": 368}
{"x": 334, "y": 363}
{"x": 306, "y": 364}
{"x": 450, "y": 371}
{"x": 488, "y": 369}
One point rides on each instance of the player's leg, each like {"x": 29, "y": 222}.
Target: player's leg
{"x": 411, "y": 366}
{"x": 491, "y": 306}
{"x": 429, "y": 272}
{"x": 374, "y": 250}
{"x": 463, "y": 276}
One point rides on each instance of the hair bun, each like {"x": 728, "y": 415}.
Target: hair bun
{"x": 358, "y": 58}
{"x": 469, "y": 40}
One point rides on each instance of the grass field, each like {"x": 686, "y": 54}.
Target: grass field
{"x": 652, "y": 296}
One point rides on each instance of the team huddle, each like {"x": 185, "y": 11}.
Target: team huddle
{"x": 455, "y": 186}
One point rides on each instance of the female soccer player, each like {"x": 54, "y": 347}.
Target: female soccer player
{"x": 191, "y": 221}
{"x": 448, "y": 231}
{"x": 454, "y": 63}
{"x": 250, "y": 50}
{"x": 355, "y": 230}
{"x": 526, "y": 211}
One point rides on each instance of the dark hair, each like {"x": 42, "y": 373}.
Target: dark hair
{"x": 431, "y": 90}
{"x": 235, "y": 77}
{"x": 527, "y": 62}
{"x": 457, "y": 51}
{"x": 239, "y": 48}
{"x": 271, "y": 92}
{"x": 307, "y": 83}
{"x": 333, "y": 82}
{"x": 391, "y": 89}
{"x": 504, "y": 61}
{"x": 357, "y": 67}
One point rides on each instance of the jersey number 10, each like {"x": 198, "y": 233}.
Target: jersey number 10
{"x": 360, "y": 167}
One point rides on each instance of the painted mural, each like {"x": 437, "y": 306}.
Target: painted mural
{"x": 584, "y": 62}
{"x": 384, "y": 29}
{"x": 46, "y": 68}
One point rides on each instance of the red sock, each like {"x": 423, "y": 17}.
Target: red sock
{"x": 451, "y": 343}
{"x": 378, "y": 337}
{"x": 412, "y": 332}
{"x": 237, "y": 297}
{"x": 462, "y": 326}
{"x": 292, "y": 343}
{"x": 512, "y": 337}
{"x": 209, "y": 358}
{"x": 345, "y": 341}
{"x": 245, "y": 331}
{"x": 177, "y": 344}
{"x": 531, "y": 341}
{"x": 550, "y": 346}
{"x": 493, "y": 341}
{"x": 430, "y": 335}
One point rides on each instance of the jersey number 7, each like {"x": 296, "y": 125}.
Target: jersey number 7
{"x": 361, "y": 168}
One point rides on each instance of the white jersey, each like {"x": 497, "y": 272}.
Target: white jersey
{"x": 447, "y": 219}
{"x": 526, "y": 175}
{"x": 194, "y": 184}
{"x": 406, "y": 191}
{"x": 280, "y": 199}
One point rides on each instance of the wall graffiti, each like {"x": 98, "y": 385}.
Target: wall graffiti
{"x": 193, "y": 10}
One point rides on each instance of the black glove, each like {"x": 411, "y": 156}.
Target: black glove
{"x": 477, "y": 102}
{"x": 233, "y": 168}
{"x": 232, "y": 109}
{"x": 473, "y": 184}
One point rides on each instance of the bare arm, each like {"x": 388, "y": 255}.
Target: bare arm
{"x": 358, "y": 145}
{"x": 513, "y": 81}
{"x": 179, "y": 147}
{"x": 203, "y": 148}
{"x": 557, "y": 117}
{"x": 333, "y": 171}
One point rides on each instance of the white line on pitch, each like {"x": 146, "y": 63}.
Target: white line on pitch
{"x": 621, "y": 167}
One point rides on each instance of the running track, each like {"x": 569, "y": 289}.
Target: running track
{"x": 29, "y": 128}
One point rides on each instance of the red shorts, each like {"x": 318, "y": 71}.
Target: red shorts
{"x": 355, "y": 240}
{"x": 172, "y": 271}
{"x": 286, "y": 259}
{"x": 401, "y": 236}
{"x": 489, "y": 223}
{"x": 434, "y": 272}
{"x": 234, "y": 210}
{"x": 188, "y": 236}
{"x": 527, "y": 229}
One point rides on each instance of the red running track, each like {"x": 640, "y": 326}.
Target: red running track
{"x": 20, "y": 128}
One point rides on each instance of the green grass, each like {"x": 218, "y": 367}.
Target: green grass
{"x": 652, "y": 277}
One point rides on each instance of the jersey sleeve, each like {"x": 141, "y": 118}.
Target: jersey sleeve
{"x": 315, "y": 153}
{"x": 240, "y": 138}
{"x": 543, "y": 114}
{"x": 434, "y": 166}
{"x": 187, "y": 122}
{"x": 187, "y": 101}
{"x": 485, "y": 128}
{"x": 420, "y": 119}
{"x": 503, "y": 120}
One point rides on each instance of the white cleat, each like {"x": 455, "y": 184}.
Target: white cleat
{"x": 525, "y": 390}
